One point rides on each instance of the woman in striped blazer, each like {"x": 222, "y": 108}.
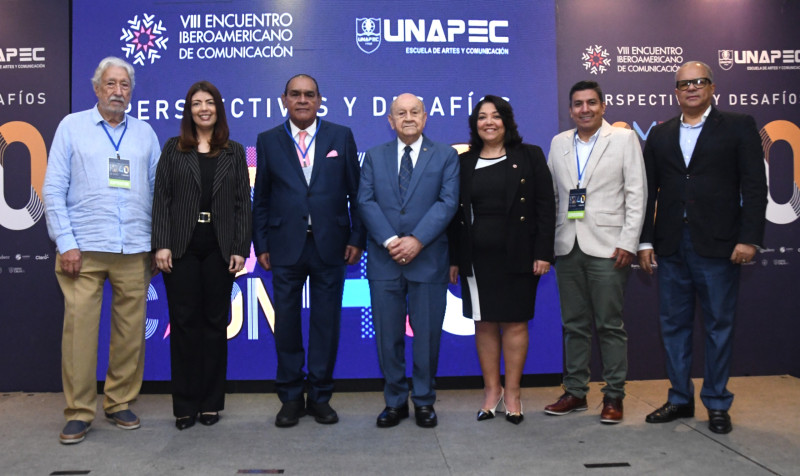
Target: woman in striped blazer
{"x": 201, "y": 235}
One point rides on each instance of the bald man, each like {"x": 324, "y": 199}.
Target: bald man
{"x": 407, "y": 197}
{"x": 706, "y": 177}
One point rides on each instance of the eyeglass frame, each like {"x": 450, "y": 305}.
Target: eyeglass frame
{"x": 699, "y": 83}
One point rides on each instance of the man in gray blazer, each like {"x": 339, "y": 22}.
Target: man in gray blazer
{"x": 407, "y": 197}
{"x": 599, "y": 180}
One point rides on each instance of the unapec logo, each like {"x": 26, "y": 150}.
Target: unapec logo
{"x": 596, "y": 59}
{"x": 760, "y": 60}
{"x": 725, "y": 58}
{"x": 435, "y": 36}
{"x": 22, "y": 58}
{"x": 144, "y": 39}
{"x": 368, "y": 34}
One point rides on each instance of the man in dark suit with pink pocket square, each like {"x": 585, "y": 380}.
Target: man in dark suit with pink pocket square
{"x": 306, "y": 225}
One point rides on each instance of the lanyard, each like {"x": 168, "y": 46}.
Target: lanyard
{"x": 578, "y": 160}
{"x": 297, "y": 145}
{"x": 117, "y": 144}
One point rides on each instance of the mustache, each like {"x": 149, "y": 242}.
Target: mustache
{"x": 116, "y": 98}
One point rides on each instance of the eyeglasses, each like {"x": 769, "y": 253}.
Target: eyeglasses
{"x": 699, "y": 83}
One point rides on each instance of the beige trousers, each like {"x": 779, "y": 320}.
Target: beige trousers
{"x": 129, "y": 276}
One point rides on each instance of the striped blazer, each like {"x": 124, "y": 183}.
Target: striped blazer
{"x": 176, "y": 200}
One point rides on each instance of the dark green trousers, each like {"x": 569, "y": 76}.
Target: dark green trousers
{"x": 591, "y": 290}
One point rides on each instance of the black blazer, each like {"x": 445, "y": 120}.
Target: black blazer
{"x": 530, "y": 206}
{"x": 176, "y": 200}
{"x": 723, "y": 192}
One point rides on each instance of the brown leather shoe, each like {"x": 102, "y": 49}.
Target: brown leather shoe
{"x": 612, "y": 410}
{"x": 567, "y": 403}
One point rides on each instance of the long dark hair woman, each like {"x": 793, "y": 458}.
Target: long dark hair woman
{"x": 501, "y": 243}
{"x": 201, "y": 235}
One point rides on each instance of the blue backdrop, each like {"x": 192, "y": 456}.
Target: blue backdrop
{"x": 362, "y": 55}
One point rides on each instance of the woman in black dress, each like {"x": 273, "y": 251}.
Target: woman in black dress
{"x": 501, "y": 243}
{"x": 201, "y": 234}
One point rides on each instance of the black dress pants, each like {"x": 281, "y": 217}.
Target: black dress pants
{"x": 199, "y": 297}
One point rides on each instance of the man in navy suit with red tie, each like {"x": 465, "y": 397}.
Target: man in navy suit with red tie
{"x": 307, "y": 176}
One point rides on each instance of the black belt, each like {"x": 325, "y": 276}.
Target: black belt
{"x": 308, "y": 230}
{"x": 204, "y": 217}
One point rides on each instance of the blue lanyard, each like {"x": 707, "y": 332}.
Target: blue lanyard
{"x": 117, "y": 144}
{"x": 578, "y": 160}
{"x": 297, "y": 145}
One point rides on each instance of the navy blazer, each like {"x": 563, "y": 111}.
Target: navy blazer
{"x": 283, "y": 200}
{"x": 723, "y": 191}
{"x": 425, "y": 212}
{"x": 176, "y": 200}
{"x": 530, "y": 211}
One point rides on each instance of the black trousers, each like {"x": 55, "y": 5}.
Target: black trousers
{"x": 199, "y": 298}
{"x": 324, "y": 321}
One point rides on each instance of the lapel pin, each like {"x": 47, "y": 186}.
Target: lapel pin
{"x": 514, "y": 166}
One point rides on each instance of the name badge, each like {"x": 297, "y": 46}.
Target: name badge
{"x": 119, "y": 172}
{"x": 576, "y": 209}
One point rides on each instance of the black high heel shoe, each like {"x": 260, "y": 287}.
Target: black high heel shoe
{"x": 514, "y": 417}
{"x": 489, "y": 414}
{"x": 208, "y": 418}
{"x": 185, "y": 422}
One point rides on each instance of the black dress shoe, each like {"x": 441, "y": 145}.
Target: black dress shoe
{"x": 515, "y": 417}
{"x": 669, "y": 412}
{"x": 489, "y": 414}
{"x": 426, "y": 416}
{"x": 391, "y": 416}
{"x": 290, "y": 413}
{"x": 719, "y": 421}
{"x": 322, "y": 412}
{"x": 183, "y": 423}
{"x": 208, "y": 418}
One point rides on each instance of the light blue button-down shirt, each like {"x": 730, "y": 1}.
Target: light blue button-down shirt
{"x": 82, "y": 210}
{"x": 689, "y": 134}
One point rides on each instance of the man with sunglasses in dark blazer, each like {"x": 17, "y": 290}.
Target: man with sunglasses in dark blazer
{"x": 706, "y": 177}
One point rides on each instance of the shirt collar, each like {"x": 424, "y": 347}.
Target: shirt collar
{"x": 415, "y": 146}
{"x": 591, "y": 139}
{"x": 699, "y": 124}
{"x": 97, "y": 118}
{"x": 310, "y": 129}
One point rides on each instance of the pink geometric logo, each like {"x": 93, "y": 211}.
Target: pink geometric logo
{"x": 144, "y": 39}
{"x": 596, "y": 59}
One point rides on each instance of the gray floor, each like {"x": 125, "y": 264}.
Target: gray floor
{"x": 765, "y": 439}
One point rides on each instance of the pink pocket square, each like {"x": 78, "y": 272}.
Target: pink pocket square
{"x": 332, "y": 153}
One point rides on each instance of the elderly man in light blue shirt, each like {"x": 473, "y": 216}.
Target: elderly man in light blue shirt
{"x": 98, "y": 191}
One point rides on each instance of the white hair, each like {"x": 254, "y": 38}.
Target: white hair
{"x": 109, "y": 62}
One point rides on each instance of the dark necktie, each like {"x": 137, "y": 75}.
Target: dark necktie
{"x": 406, "y": 167}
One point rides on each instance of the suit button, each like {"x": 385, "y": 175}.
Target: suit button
{"x": 522, "y": 181}
{"x": 403, "y": 211}
{"x": 688, "y": 176}
{"x": 522, "y": 199}
{"x": 462, "y": 222}
{"x": 521, "y": 218}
